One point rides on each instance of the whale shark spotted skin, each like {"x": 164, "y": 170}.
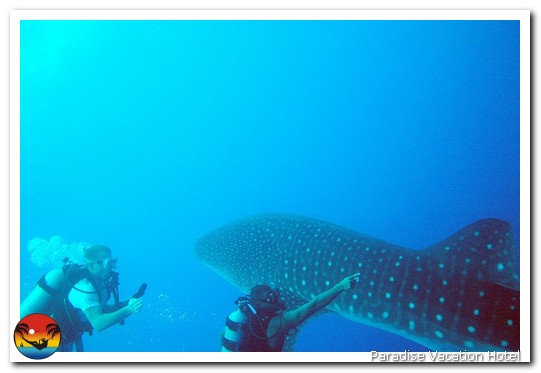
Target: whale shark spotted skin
{"x": 461, "y": 294}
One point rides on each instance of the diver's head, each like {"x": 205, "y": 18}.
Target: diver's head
{"x": 99, "y": 261}
{"x": 266, "y": 299}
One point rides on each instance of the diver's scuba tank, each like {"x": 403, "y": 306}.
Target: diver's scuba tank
{"x": 50, "y": 289}
{"x": 41, "y": 298}
{"x": 236, "y": 331}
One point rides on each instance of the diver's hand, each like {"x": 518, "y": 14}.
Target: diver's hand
{"x": 349, "y": 282}
{"x": 134, "y": 305}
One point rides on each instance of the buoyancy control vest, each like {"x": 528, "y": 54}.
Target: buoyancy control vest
{"x": 246, "y": 328}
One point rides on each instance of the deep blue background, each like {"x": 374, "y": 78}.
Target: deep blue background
{"x": 145, "y": 135}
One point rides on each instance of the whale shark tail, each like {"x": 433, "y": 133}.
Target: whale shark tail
{"x": 481, "y": 257}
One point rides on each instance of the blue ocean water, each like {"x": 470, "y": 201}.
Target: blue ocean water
{"x": 145, "y": 135}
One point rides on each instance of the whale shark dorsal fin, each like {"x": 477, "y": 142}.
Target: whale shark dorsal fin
{"x": 484, "y": 251}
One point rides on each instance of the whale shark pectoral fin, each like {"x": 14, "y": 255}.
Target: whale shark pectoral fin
{"x": 485, "y": 250}
{"x": 293, "y": 301}
{"x": 291, "y": 336}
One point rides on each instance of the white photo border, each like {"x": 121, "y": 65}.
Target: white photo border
{"x": 16, "y": 16}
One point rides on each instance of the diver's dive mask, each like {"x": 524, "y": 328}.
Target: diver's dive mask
{"x": 273, "y": 296}
{"x": 109, "y": 263}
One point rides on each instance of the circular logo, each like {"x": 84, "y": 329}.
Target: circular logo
{"x": 37, "y": 336}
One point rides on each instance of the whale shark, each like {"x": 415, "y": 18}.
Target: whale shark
{"x": 461, "y": 294}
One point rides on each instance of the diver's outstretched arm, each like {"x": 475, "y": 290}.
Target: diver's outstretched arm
{"x": 294, "y": 318}
{"x": 280, "y": 324}
{"x": 101, "y": 320}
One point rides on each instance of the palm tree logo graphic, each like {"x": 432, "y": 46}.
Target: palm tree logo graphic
{"x": 37, "y": 336}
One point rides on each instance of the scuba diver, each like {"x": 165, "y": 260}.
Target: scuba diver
{"x": 77, "y": 297}
{"x": 262, "y": 322}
